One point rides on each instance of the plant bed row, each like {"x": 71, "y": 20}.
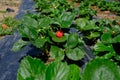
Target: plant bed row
{"x": 7, "y": 26}
{"x": 68, "y": 37}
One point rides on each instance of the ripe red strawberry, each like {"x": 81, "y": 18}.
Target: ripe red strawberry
{"x": 119, "y": 23}
{"x": 59, "y": 33}
{"x": 4, "y": 26}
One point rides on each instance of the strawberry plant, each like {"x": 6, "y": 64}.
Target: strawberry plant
{"x": 96, "y": 69}
{"x": 85, "y": 11}
{"x": 51, "y": 36}
{"x": 112, "y": 6}
{"x": 101, "y": 69}
{"x": 53, "y": 8}
{"x": 8, "y": 25}
{"x": 103, "y": 35}
{"x": 104, "y": 5}
{"x": 56, "y": 8}
{"x": 54, "y": 71}
{"x": 49, "y": 30}
{"x": 110, "y": 35}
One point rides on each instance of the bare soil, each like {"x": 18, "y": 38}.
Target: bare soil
{"x": 12, "y": 4}
{"x": 105, "y": 14}
{"x": 100, "y": 14}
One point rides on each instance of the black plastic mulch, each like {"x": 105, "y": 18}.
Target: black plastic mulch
{"x": 9, "y": 60}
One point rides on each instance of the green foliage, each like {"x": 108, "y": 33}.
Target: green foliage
{"x": 75, "y": 54}
{"x": 107, "y": 5}
{"x": 40, "y": 42}
{"x": 74, "y": 72}
{"x": 57, "y": 7}
{"x": 42, "y": 34}
{"x": 103, "y": 33}
{"x": 19, "y": 45}
{"x": 101, "y": 69}
{"x": 84, "y": 24}
{"x": 99, "y": 46}
{"x": 66, "y": 19}
{"x": 62, "y": 71}
{"x": 31, "y": 69}
{"x": 40, "y": 29}
{"x": 71, "y": 49}
{"x": 97, "y": 69}
{"x": 56, "y": 52}
{"x": 107, "y": 51}
{"x": 53, "y": 8}
{"x": 106, "y": 38}
{"x": 85, "y": 11}
{"x": 109, "y": 35}
{"x": 11, "y": 24}
{"x": 59, "y": 15}
{"x": 28, "y": 28}
{"x": 116, "y": 39}
{"x": 54, "y": 71}
{"x": 57, "y": 71}
{"x": 72, "y": 40}
{"x": 93, "y": 34}
{"x": 56, "y": 39}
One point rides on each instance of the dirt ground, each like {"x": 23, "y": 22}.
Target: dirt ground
{"x": 105, "y": 14}
{"x": 12, "y": 4}
{"x": 100, "y": 14}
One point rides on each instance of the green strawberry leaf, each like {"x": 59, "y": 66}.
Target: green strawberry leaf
{"x": 72, "y": 40}
{"x": 27, "y": 20}
{"x": 74, "y": 73}
{"x": 28, "y": 32}
{"x": 34, "y": 69}
{"x": 99, "y": 46}
{"x": 84, "y": 24}
{"x": 66, "y": 19}
{"x": 56, "y": 53}
{"x": 116, "y": 39}
{"x": 39, "y": 42}
{"x": 101, "y": 69}
{"x": 106, "y": 38}
{"x": 44, "y": 22}
{"x": 57, "y": 71}
{"x": 93, "y": 35}
{"x": 51, "y": 34}
{"x": 31, "y": 69}
{"x": 19, "y": 45}
{"x": 61, "y": 71}
{"x": 81, "y": 22}
{"x": 75, "y": 54}
{"x": 62, "y": 39}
